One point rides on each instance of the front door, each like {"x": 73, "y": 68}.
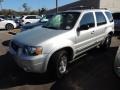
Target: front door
{"x": 86, "y": 33}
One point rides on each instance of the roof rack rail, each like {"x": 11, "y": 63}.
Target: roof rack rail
{"x": 104, "y": 8}
{"x": 81, "y": 7}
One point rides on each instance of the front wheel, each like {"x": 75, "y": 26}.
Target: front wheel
{"x": 59, "y": 63}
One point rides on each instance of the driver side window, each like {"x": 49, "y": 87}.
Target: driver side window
{"x": 87, "y": 21}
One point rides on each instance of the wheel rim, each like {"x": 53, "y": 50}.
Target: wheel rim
{"x": 63, "y": 65}
{"x": 9, "y": 27}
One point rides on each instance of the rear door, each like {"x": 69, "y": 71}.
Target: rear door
{"x": 2, "y": 23}
{"x": 101, "y": 26}
{"x": 32, "y": 19}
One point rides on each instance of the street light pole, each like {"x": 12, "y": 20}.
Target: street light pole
{"x": 56, "y": 6}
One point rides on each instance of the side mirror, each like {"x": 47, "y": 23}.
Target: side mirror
{"x": 83, "y": 27}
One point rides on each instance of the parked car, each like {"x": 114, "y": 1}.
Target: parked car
{"x": 41, "y": 22}
{"x": 7, "y": 24}
{"x": 61, "y": 40}
{"x": 27, "y": 19}
{"x": 2, "y": 16}
{"x": 116, "y": 17}
{"x": 117, "y": 63}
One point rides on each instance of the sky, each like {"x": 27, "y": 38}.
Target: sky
{"x": 33, "y": 4}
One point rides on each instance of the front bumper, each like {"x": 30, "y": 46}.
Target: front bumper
{"x": 31, "y": 63}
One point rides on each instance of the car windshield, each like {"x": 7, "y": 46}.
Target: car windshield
{"x": 62, "y": 21}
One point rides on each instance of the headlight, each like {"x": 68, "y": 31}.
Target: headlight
{"x": 32, "y": 51}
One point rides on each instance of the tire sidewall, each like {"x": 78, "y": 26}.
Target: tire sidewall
{"x": 9, "y": 26}
{"x": 108, "y": 41}
{"x": 61, "y": 54}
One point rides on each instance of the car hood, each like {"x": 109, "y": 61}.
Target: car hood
{"x": 31, "y": 25}
{"x": 37, "y": 36}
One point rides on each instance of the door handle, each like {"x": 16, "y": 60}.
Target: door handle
{"x": 92, "y": 32}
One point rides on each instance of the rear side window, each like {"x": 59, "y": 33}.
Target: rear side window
{"x": 88, "y": 20}
{"x": 31, "y": 17}
{"x": 101, "y": 20}
{"x": 109, "y": 15}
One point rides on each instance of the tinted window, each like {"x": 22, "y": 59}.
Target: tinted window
{"x": 116, "y": 16}
{"x": 109, "y": 15}
{"x": 87, "y": 20}
{"x": 31, "y": 17}
{"x": 100, "y": 18}
{"x": 3, "y": 17}
{"x": 49, "y": 16}
{"x": 21, "y": 17}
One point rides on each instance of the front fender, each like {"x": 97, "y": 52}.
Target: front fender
{"x": 58, "y": 46}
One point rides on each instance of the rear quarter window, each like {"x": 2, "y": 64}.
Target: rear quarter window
{"x": 109, "y": 15}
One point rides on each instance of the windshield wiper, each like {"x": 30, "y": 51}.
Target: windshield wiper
{"x": 49, "y": 27}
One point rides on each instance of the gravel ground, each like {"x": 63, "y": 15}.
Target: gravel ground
{"x": 92, "y": 72}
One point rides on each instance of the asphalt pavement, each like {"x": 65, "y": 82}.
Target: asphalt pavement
{"x": 94, "y": 71}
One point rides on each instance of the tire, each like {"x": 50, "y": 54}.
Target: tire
{"x": 107, "y": 42}
{"x": 9, "y": 26}
{"x": 58, "y": 64}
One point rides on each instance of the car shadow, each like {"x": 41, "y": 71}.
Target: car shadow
{"x": 92, "y": 72}
{"x": 6, "y": 43}
{"x": 12, "y": 33}
{"x": 3, "y": 30}
{"x": 117, "y": 34}
{"x": 11, "y": 75}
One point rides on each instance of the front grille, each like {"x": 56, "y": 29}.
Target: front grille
{"x": 14, "y": 46}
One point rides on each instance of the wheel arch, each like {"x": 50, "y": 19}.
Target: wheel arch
{"x": 68, "y": 49}
{"x": 9, "y": 24}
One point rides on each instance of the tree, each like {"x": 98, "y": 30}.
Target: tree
{"x": 1, "y": 3}
{"x": 26, "y": 7}
{"x": 43, "y": 10}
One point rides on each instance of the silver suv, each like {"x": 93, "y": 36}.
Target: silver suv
{"x": 61, "y": 40}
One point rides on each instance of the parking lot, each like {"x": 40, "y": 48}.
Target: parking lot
{"x": 94, "y": 71}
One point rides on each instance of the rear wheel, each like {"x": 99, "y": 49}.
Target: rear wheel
{"x": 107, "y": 42}
{"x": 9, "y": 26}
{"x": 58, "y": 63}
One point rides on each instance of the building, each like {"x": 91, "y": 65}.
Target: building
{"x": 112, "y": 5}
